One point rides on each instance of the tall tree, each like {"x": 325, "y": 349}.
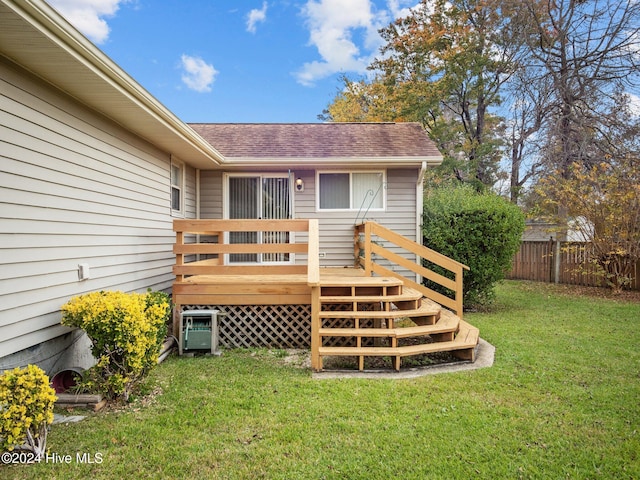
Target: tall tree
{"x": 363, "y": 101}
{"x": 526, "y": 118}
{"x": 586, "y": 51}
{"x": 446, "y": 64}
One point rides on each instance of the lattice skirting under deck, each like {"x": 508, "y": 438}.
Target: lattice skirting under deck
{"x": 274, "y": 326}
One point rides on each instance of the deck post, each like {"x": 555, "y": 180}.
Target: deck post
{"x": 368, "y": 267}
{"x": 459, "y": 298}
{"x": 313, "y": 248}
{"x": 179, "y": 256}
{"x": 313, "y": 280}
{"x": 356, "y": 246}
{"x": 316, "y": 360}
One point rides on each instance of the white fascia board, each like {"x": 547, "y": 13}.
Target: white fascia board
{"x": 249, "y": 162}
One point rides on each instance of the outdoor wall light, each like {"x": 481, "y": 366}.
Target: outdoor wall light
{"x": 299, "y": 185}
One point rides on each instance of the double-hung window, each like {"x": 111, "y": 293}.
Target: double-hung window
{"x": 351, "y": 190}
{"x": 177, "y": 188}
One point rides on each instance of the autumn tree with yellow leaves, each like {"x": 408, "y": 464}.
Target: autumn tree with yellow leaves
{"x": 604, "y": 201}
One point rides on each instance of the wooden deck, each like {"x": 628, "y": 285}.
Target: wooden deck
{"x": 259, "y": 289}
{"x": 335, "y": 311}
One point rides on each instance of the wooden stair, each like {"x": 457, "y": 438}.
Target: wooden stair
{"x": 361, "y": 320}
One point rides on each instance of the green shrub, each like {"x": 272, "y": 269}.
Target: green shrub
{"x": 26, "y": 409}
{"x": 126, "y": 330}
{"x": 481, "y": 230}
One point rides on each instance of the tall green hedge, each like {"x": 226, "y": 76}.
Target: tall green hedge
{"x": 481, "y": 230}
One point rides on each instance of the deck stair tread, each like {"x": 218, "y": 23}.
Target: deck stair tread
{"x": 361, "y": 281}
{"x": 408, "y": 294}
{"x": 424, "y": 310}
{"x": 467, "y": 338}
{"x": 446, "y": 324}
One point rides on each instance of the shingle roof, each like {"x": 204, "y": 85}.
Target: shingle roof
{"x": 318, "y": 140}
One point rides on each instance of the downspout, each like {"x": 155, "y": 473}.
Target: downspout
{"x": 292, "y": 191}
{"x": 198, "y": 193}
{"x": 420, "y": 212}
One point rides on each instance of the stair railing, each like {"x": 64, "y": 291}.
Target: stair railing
{"x": 368, "y": 243}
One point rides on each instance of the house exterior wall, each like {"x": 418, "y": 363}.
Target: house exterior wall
{"x": 336, "y": 227}
{"x": 211, "y": 205}
{"x": 74, "y": 188}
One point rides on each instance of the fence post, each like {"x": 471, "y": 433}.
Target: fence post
{"x": 556, "y": 262}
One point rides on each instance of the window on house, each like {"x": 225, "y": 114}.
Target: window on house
{"x": 177, "y": 182}
{"x": 351, "y": 191}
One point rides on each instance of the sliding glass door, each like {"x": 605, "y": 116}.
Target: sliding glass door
{"x": 259, "y": 197}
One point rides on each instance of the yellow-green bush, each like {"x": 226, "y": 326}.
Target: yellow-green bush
{"x": 126, "y": 330}
{"x": 26, "y": 409}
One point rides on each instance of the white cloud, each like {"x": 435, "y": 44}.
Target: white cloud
{"x": 198, "y": 75}
{"x": 88, "y": 16}
{"x": 402, "y": 8}
{"x": 332, "y": 25}
{"x": 256, "y": 16}
{"x": 634, "y": 104}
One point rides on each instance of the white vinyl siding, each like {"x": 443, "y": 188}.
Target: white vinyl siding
{"x": 74, "y": 188}
{"x": 336, "y": 227}
{"x": 211, "y": 205}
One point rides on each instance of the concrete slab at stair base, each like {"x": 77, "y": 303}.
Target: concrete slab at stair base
{"x": 485, "y": 353}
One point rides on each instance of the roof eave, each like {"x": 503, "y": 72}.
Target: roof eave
{"x": 311, "y": 162}
{"x": 153, "y": 122}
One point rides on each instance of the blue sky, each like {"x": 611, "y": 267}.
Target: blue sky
{"x": 238, "y": 61}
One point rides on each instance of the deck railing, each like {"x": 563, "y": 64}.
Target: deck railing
{"x": 368, "y": 243}
{"x": 210, "y": 239}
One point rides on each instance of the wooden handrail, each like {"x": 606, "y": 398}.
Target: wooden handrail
{"x": 369, "y": 248}
{"x": 187, "y": 245}
{"x": 208, "y": 226}
{"x": 313, "y": 255}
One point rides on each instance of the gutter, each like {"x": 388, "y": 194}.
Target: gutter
{"x": 420, "y": 211}
{"x": 315, "y": 162}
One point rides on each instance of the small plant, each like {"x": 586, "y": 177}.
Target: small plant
{"x": 26, "y": 410}
{"x": 126, "y": 330}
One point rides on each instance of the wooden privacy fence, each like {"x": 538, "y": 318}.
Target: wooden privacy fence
{"x": 560, "y": 262}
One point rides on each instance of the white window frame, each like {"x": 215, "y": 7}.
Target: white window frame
{"x": 180, "y": 187}
{"x": 352, "y": 207}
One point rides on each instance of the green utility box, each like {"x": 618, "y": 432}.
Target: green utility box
{"x": 198, "y": 331}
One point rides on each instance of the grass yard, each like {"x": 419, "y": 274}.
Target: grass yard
{"x": 561, "y": 401}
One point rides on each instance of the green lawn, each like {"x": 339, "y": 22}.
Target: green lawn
{"x": 561, "y": 401}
